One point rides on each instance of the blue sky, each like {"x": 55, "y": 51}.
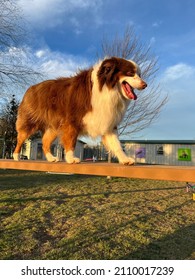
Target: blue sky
{"x": 66, "y": 35}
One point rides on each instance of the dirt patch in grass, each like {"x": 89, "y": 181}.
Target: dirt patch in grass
{"x": 44, "y": 216}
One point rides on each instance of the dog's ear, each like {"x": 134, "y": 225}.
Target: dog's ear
{"x": 108, "y": 66}
{"x": 107, "y": 72}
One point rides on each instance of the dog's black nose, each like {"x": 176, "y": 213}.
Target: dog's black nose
{"x": 144, "y": 85}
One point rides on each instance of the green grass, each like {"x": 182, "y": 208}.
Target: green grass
{"x": 44, "y": 216}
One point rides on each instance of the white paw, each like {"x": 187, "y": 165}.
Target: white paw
{"x": 51, "y": 158}
{"x": 72, "y": 160}
{"x": 16, "y": 156}
{"x": 127, "y": 161}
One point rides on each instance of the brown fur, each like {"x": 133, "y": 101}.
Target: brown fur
{"x": 63, "y": 107}
{"x": 55, "y": 107}
{"x": 112, "y": 69}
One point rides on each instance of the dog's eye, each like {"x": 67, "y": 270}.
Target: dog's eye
{"x": 107, "y": 69}
{"x": 131, "y": 74}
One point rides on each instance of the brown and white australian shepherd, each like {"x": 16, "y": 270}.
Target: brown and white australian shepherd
{"x": 92, "y": 103}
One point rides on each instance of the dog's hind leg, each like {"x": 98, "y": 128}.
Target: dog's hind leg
{"x": 48, "y": 137}
{"x": 23, "y": 134}
{"x": 25, "y": 129}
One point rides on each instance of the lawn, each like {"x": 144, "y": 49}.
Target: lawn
{"x": 44, "y": 216}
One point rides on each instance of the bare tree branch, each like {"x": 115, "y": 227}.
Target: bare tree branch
{"x": 11, "y": 27}
{"x": 147, "y": 108}
{"x": 15, "y": 71}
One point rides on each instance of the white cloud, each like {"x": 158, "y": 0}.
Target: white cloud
{"x": 56, "y": 64}
{"x": 177, "y": 118}
{"x": 40, "y": 53}
{"x": 178, "y": 72}
{"x": 178, "y": 80}
{"x": 157, "y": 24}
{"x": 50, "y": 13}
{"x": 49, "y": 63}
{"x": 44, "y": 61}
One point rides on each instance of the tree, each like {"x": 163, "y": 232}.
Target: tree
{"x": 146, "y": 109}
{"x": 14, "y": 71}
{"x": 7, "y": 127}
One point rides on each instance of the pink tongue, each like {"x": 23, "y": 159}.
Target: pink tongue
{"x": 129, "y": 92}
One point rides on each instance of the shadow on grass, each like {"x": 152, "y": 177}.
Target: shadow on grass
{"x": 177, "y": 246}
{"x": 19, "y": 179}
{"x": 63, "y": 196}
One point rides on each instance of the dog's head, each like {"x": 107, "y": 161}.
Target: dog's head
{"x": 125, "y": 74}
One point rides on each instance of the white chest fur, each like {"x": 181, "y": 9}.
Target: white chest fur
{"x": 108, "y": 109}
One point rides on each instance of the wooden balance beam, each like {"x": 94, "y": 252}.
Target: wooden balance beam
{"x": 154, "y": 172}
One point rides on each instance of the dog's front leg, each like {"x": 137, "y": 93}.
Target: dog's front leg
{"x": 68, "y": 137}
{"x": 113, "y": 145}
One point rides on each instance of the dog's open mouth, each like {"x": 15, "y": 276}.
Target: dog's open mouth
{"x": 129, "y": 90}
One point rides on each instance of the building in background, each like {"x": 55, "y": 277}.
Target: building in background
{"x": 164, "y": 152}
{"x": 95, "y": 152}
{"x": 32, "y": 149}
{"x": 168, "y": 152}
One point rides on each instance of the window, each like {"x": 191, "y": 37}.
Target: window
{"x": 159, "y": 150}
